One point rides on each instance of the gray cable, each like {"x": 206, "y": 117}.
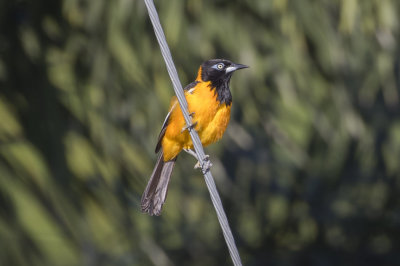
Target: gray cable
{"x": 216, "y": 200}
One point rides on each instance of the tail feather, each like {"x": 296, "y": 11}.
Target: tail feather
{"x": 156, "y": 190}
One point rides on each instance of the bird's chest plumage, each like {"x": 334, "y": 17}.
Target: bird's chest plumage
{"x": 211, "y": 115}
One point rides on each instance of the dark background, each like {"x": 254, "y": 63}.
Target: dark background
{"x": 308, "y": 169}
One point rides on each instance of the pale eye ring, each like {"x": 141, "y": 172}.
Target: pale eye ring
{"x": 220, "y": 66}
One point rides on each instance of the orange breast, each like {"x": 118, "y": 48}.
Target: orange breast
{"x": 212, "y": 119}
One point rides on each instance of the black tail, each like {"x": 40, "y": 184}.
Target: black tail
{"x": 156, "y": 191}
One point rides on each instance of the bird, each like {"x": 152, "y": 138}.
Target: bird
{"x": 209, "y": 104}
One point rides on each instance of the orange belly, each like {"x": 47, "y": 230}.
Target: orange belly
{"x": 212, "y": 119}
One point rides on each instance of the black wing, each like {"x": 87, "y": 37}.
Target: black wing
{"x": 163, "y": 129}
{"x": 191, "y": 85}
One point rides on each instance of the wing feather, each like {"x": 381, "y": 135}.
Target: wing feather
{"x": 164, "y": 127}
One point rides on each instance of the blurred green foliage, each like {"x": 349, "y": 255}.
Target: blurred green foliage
{"x": 308, "y": 170}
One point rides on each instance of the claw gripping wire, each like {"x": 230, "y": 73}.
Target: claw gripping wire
{"x": 216, "y": 200}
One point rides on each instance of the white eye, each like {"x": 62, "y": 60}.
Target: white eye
{"x": 220, "y": 66}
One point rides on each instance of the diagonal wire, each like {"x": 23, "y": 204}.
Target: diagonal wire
{"x": 216, "y": 200}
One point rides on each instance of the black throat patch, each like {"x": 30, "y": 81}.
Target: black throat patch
{"x": 221, "y": 87}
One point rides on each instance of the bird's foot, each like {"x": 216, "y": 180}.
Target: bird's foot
{"x": 189, "y": 127}
{"x": 205, "y": 166}
{"x": 191, "y": 152}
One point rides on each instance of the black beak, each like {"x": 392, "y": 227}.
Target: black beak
{"x": 240, "y": 66}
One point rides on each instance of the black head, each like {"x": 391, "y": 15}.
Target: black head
{"x": 219, "y": 71}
